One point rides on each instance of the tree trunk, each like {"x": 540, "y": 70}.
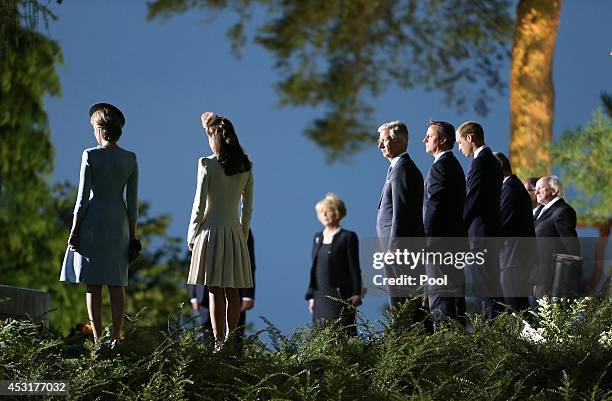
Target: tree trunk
{"x": 531, "y": 87}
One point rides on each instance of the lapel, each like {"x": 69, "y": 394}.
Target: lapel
{"x": 545, "y": 214}
{"x": 334, "y": 242}
{"x": 537, "y": 212}
{"x": 318, "y": 242}
{"x": 402, "y": 158}
{"x": 485, "y": 152}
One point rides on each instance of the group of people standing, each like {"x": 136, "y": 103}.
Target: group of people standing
{"x": 436, "y": 213}
{"x": 490, "y": 202}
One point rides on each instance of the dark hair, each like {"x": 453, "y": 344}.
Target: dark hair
{"x": 444, "y": 130}
{"x": 225, "y": 142}
{"x": 532, "y": 181}
{"x": 503, "y": 162}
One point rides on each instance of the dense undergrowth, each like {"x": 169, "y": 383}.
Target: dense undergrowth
{"x": 568, "y": 356}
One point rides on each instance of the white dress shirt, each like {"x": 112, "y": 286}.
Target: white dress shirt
{"x": 548, "y": 205}
{"x": 439, "y": 155}
{"x": 477, "y": 151}
{"x": 396, "y": 159}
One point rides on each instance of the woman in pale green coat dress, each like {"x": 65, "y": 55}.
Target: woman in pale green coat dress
{"x": 216, "y": 236}
{"x": 103, "y": 226}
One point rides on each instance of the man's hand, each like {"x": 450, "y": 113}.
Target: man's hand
{"x": 247, "y": 304}
{"x": 355, "y": 300}
{"x": 311, "y": 305}
{"x": 425, "y": 302}
{"x": 73, "y": 242}
{"x": 206, "y": 117}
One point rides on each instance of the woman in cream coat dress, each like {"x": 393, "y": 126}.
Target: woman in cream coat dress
{"x": 216, "y": 236}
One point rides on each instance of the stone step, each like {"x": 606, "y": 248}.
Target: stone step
{"x": 20, "y": 303}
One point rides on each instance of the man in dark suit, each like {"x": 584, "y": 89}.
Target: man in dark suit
{"x": 443, "y": 220}
{"x": 555, "y": 228}
{"x": 517, "y": 251}
{"x": 481, "y": 215}
{"x": 400, "y": 208}
{"x": 198, "y": 295}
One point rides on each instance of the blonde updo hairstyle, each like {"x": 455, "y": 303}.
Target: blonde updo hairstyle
{"x": 107, "y": 123}
{"x": 333, "y": 203}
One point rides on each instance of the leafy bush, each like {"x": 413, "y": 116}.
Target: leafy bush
{"x": 567, "y": 356}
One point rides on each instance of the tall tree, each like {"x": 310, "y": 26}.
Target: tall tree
{"x": 339, "y": 53}
{"x": 156, "y": 281}
{"x": 34, "y": 215}
{"x": 584, "y": 159}
{"x": 532, "y": 95}
{"x": 27, "y": 73}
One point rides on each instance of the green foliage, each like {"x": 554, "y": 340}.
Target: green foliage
{"x": 157, "y": 278}
{"x": 27, "y": 73}
{"x": 340, "y": 53}
{"x": 606, "y": 100}
{"x": 584, "y": 159}
{"x": 34, "y": 216}
{"x": 391, "y": 360}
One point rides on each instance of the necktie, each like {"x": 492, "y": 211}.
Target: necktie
{"x": 386, "y": 180}
{"x": 389, "y": 173}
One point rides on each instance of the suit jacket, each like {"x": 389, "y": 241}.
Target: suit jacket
{"x": 483, "y": 193}
{"x": 344, "y": 262}
{"x": 518, "y": 250}
{"x": 443, "y": 218}
{"x": 515, "y": 209}
{"x": 556, "y": 232}
{"x": 200, "y": 292}
{"x": 400, "y": 210}
{"x": 444, "y": 199}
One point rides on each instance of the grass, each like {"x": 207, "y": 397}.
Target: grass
{"x": 568, "y": 357}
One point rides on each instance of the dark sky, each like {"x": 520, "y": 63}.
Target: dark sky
{"x": 163, "y": 76}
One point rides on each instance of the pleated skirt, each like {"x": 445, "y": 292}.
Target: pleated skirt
{"x": 220, "y": 258}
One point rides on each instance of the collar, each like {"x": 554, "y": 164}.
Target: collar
{"x": 396, "y": 159}
{"x": 329, "y": 239}
{"x": 477, "y": 151}
{"x": 536, "y": 209}
{"x": 436, "y": 158}
{"x": 549, "y": 204}
{"x": 506, "y": 179}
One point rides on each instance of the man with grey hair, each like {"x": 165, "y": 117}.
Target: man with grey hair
{"x": 400, "y": 208}
{"x": 557, "y": 219}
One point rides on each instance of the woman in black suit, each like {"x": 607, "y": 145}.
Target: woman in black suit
{"x": 335, "y": 270}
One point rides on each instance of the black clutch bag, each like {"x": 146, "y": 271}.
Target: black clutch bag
{"x": 135, "y": 249}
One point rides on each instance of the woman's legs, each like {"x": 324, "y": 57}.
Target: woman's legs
{"x": 117, "y": 300}
{"x": 93, "y": 298}
{"x": 233, "y": 308}
{"x": 216, "y": 300}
